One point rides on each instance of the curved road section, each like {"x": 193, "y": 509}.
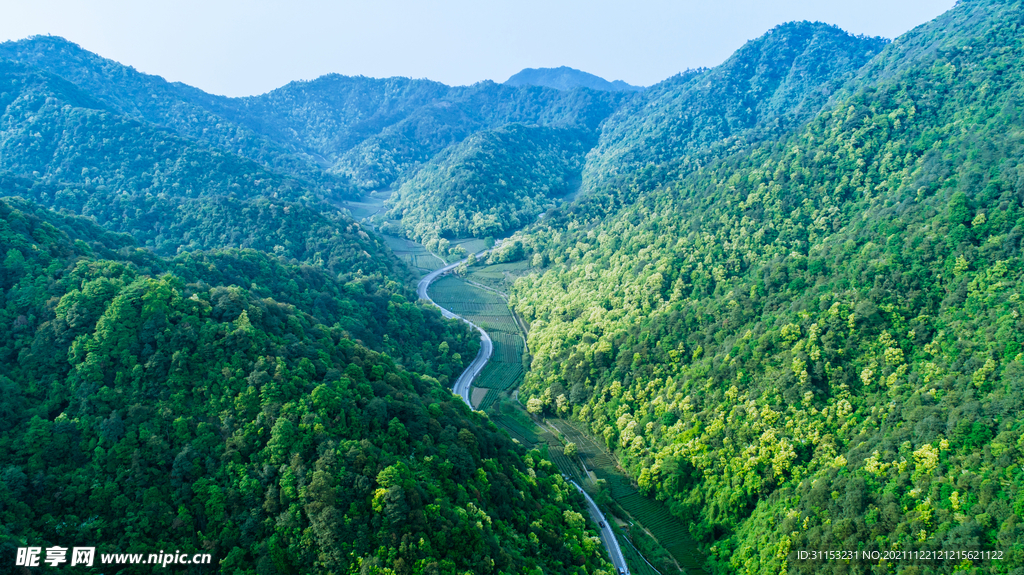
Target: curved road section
{"x": 462, "y": 385}
{"x": 606, "y": 532}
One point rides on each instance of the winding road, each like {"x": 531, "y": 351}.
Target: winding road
{"x": 462, "y": 385}
{"x": 607, "y": 535}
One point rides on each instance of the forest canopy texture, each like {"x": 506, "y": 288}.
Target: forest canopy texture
{"x": 814, "y": 342}
{"x": 784, "y": 292}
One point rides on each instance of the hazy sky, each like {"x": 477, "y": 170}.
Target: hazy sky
{"x": 237, "y": 48}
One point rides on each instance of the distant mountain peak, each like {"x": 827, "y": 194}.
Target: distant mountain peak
{"x": 566, "y": 78}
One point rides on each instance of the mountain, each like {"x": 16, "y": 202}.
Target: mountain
{"x": 184, "y": 110}
{"x": 770, "y": 85}
{"x": 565, "y": 78}
{"x": 148, "y": 405}
{"x": 786, "y": 298}
{"x": 202, "y": 353}
{"x": 333, "y": 132}
{"x": 490, "y": 184}
{"x": 62, "y": 148}
{"x": 399, "y": 150}
{"x": 814, "y": 340}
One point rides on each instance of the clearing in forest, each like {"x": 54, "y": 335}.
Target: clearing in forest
{"x": 488, "y": 310}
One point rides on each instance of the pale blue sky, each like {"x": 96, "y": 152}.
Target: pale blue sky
{"x": 237, "y": 47}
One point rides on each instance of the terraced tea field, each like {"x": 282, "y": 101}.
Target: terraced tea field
{"x": 500, "y": 376}
{"x": 477, "y": 305}
{"x": 637, "y": 564}
{"x": 489, "y": 399}
{"x": 488, "y": 310}
{"x": 516, "y": 430}
{"x": 593, "y": 455}
{"x": 671, "y": 533}
{"x": 367, "y": 205}
{"x": 508, "y": 347}
{"x": 471, "y": 245}
{"x": 499, "y": 276}
{"x": 413, "y": 254}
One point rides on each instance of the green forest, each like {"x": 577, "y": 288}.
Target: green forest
{"x": 153, "y": 403}
{"x": 781, "y": 295}
{"x": 816, "y": 342}
{"x": 490, "y": 184}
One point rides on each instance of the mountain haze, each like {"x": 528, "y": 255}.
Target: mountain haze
{"x": 565, "y": 78}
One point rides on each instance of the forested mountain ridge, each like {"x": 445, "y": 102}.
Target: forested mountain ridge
{"x": 394, "y": 154}
{"x": 171, "y": 193}
{"x": 770, "y": 85}
{"x": 270, "y": 394}
{"x": 146, "y": 405}
{"x": 323, "y": 131}
{"x": 816, "y": 343}
{"x": 53, "y": 130}
{"x": 182, "y": 109}
{"x": 790, "y": 303}
{"x": 491, "y": 183}
{"x": 566, "y": 78}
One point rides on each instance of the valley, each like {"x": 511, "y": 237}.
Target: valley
{"x": 493, "y": 390}
{"x": 755, "y": 309}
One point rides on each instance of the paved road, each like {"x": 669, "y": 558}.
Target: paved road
{"x": 463, "y": 383}
{"x": 607, "y": 535}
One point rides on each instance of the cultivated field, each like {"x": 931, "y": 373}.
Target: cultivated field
{"x": 367, "y": 205}
{"x": 477, "y": 305}
{"x": 489, "y": 398}
{"x": 672, "y": 534}
{"x": 488, "y": 310}
{"x": 524, "y": 434}
{"x": 413, "y": 254}
{"x": 637, "y": 564}
{"x": 499, "y": 276}
{"x": 471, "y": 245}
{"x": 500, "y": 376}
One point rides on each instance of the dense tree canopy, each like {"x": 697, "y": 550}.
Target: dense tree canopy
{"x": 816, "y": 343}
{"x": 787, "y": 298}
{"x": 148, "y": 403}
{"x": 490, "y": 184}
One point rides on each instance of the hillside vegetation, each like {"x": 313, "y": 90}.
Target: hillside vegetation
{"x": 200, "y": 353}
{"x": 770, "y": 85}
{"x": 491, "y": 183}
{"x": 816, "y": 344}
{"x": 148, "y": 403}
{"x": 787, "y": 297}
{"x": 214, "y": 121}
{"x": 335, "y": 133}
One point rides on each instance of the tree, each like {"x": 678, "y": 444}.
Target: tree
{"x": 571, "y": 450}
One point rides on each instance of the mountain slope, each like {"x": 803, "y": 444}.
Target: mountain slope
{"x": 767, "y": 87}
{"x": 321, "y": 131}
{"x": 184, "y": 110}
{"x": 489, "y": 184}
{"x": 54, "y": 130}
{"x": 566, "y": 78}
{"x": 816, "y": 343}
{"x": 168, "y": 192}
{"x": 154, "y": 410}
{"x": 394, "y": 154}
